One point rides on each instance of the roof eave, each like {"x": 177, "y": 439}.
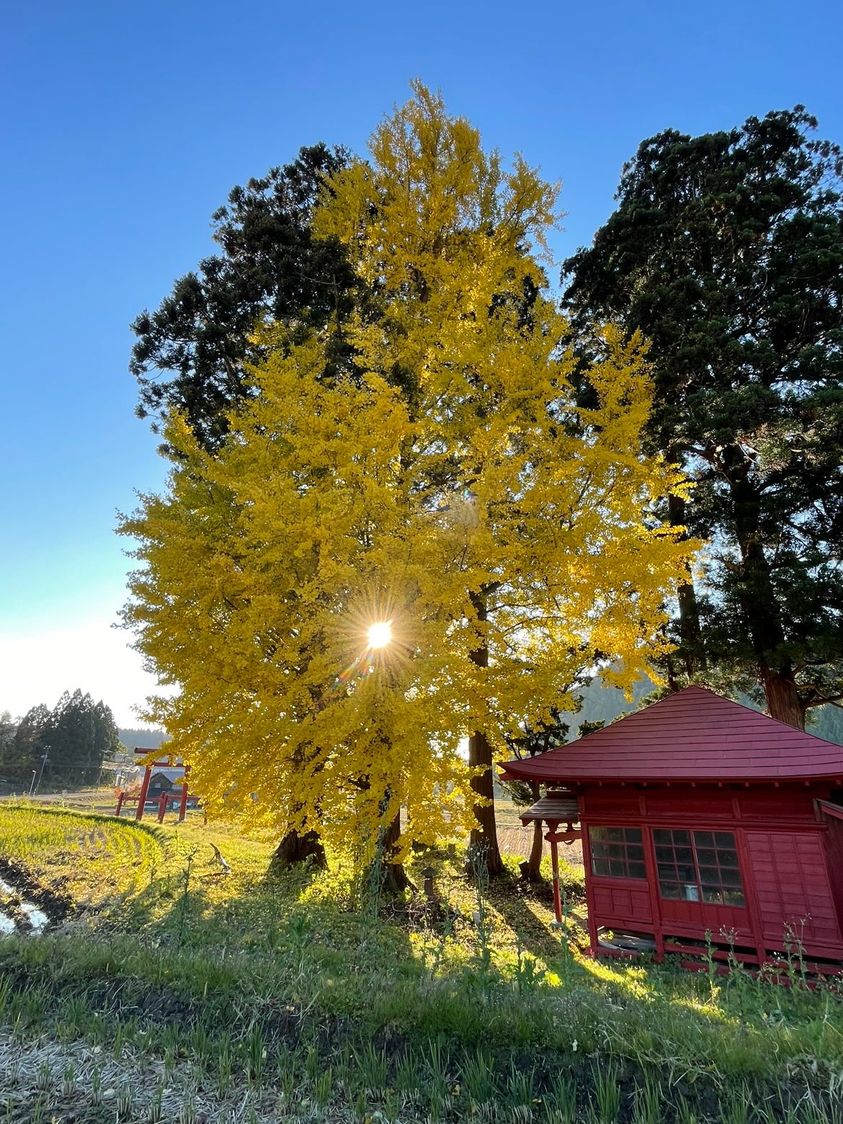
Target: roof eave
{"x": 510, "y": 773}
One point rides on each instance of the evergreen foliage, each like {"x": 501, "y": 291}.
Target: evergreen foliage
{"x": 66, "y": 745}
{"x": 726, "y": 251}
{"x": 269, "y": 267}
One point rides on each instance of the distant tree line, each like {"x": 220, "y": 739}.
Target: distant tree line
{"x": 64, "y": 746}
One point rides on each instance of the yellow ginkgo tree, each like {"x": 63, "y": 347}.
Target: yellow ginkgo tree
{"x": 375, "y": 568}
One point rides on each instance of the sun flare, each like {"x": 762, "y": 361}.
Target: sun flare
{"x": 379, "y": 634}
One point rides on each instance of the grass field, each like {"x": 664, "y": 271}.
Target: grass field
{"x": 173, "y": 992}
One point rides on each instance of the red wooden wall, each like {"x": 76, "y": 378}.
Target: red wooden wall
{"x": 784, "y": 845}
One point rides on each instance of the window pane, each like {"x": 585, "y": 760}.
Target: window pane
{"x": 718, "y": 867}
{"x": 617, "y": 852}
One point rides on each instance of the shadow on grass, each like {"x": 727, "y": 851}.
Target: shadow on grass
{"x": 294, "y": 965}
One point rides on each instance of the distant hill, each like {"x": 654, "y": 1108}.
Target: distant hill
{"x": 826, "y": 722}
{"x": 607, "y": 703}
{"x": 141, "y": 739}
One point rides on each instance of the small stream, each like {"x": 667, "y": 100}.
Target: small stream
{"x": 14, "y": 909}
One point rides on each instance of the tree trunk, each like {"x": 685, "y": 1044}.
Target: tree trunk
{"x": 783, "y": 701}
{"x": 483, "y": 840}
{"x": 757, "y": 596}
{"x": 691, "y": 651}
{"x": 296, "y": 848}
{"x": 531, "y": 867}
{"x": 393, "y": 874}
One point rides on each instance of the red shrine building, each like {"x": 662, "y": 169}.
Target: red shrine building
{"x": 704, "y": 825}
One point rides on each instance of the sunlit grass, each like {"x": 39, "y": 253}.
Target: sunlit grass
{"x": 315, "y": 972}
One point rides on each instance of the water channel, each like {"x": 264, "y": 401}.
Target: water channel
{"x": 35, "y": 920}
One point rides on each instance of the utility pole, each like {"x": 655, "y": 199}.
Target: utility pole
{"x": 44, "y": 758}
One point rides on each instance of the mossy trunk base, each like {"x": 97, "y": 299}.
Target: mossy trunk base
{"x": 297, "y": 848}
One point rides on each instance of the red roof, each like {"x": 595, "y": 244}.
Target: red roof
{"x": 693, "y": 735}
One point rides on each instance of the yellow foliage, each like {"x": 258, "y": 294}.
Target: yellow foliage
{"x": 457, "y": 463}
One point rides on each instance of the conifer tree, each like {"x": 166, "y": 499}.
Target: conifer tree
{"x": 726, "y": 250}
{"x": 452, "y": 490}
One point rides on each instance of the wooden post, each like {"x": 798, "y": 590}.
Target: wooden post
{"x": 554, "y": 862}
{"x": 147, "y": 777}
{"x": 162, "y": 806}
{"x": 121, "y": 796}
{"x": 594, "y": 940}
{"x": 183, "y": 801}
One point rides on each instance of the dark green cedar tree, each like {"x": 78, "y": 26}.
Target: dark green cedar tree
{"x": 726, "y": 251}
{"x": 192, "y": 351}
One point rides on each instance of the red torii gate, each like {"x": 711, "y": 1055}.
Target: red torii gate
{"x": 164, "y": 799}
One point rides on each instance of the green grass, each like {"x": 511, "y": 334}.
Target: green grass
{"x": 185, "y": 992}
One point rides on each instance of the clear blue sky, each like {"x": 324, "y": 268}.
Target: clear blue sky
{"x": 125, "y": 125}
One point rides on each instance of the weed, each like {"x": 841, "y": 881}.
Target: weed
{"x": 477, "y": 1077}
{"x": 647, "y": 1102}
{"x": 561, "y": 1099}
{"x": 735, "y": 1106}
{"x": 255, "y": 1051}
{"x": 605, "y": 1105}
{"x": 372, "y": 1067}
{"x": 323, "y": 1087}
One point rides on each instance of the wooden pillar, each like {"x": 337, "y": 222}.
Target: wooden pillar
{"x": 147, "y": 777}
{"x": 183, "y": 801}
{"x": 589, "y": 891}
{"x": 651, "y": 868}
{"x": 554, "y": 861}
{"x": 163, "y": 800}
{"x": 121, "y": 796}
